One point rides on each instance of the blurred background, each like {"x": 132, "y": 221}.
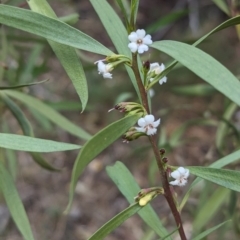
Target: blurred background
{"x": 198, "y": 124}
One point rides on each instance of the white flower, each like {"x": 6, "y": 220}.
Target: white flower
{"x": 104, "y": 69}
{"x": 181, "y": 176}
{"x": 147, "y": 125}
{"x": 157, "y": 69}
{"x": 139, "y": 42}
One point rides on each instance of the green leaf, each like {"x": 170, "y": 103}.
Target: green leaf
{"x": 203, "y": 65}
{"x": 230, "y": 22}
{"x": 115, "y": 222}
{"x": 49, "y": 113}
{"x": 66, "y": 55}
{"x": 124, "y": 10}
{"x": 134, "y": 11}
{"x": 129, "y": 188}
{"x": 96, "y": 145}
{"x": 10, "y": 155}
{"x": 207, "y": 232}
{"x": 226, "y": 24}
{"x": 49, "y": 28}
{"x": 222, "y": 5}
{"x": 23, "y": 85}
{"x": 14, "y": 203}
{"x": 210, "y": 208}
{"x": 29, "y": 144}
{"x": 27, "y": 130}
{"x": 223, "y": 177}
{"x": 70, "y": 19}
{"x": 111, "y": 22}
{"x": 231, "y": 158}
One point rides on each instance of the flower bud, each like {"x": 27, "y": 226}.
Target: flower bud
{"x": 146, "y": 195}
{"x": 131, "y": 108}
{"x": 131, "y": 135}
{"x": 162, "y": 151}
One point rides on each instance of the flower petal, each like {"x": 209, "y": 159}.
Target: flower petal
{"x": 142, "y": 48}
{"x": 141, "y": 122}
{"x": 176, "y": 182}
{"x": 107, "y": 75}
{"x": 101, "y": 67}
{"x": 156, "y": 123}
{"x": 182, "y": 182}
{"x": 153, "y": 67}
{"x": 147, "y": 40}
{"x": 163, "y": 80}
{"x": 133, "y": 47}
{"x": 149, "y": 119}
{"x": 140, "y": 129}
{"x": 133, "y": 37}
{"x": 176, "y": 174}
{"x": 151, "y": 131}
{"x": 141, "y": 33}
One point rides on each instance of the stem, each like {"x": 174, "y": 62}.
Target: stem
{"x": 163, "y": 174}
{"x": 141, "y": 88}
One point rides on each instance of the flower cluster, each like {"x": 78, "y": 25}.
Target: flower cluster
{"x": 181, "y": 175}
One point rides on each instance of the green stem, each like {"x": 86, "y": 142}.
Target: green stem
{"x": 163, "y": 174}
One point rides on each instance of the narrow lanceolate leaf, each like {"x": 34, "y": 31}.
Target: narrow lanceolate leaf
{"x": 226, "y": 24}
{"x": 66, "y": 55}
{"x": 70, "y": 19}
{"x": 27, "y": 130}
{"x": 134, "y": 11}
{"x": 49, "y": 28}
{"x": 111, "y": 22}
{"x": 96, "y": 145}
{"x": 223, "y": 177}
{"x": 129, "y": 188}
{"x": 203, "y": 65}
{"x": 23, "y": 85}
{"x": 207, "y": 232}
{"x": 29, "y": 144}
{"x": 49, "y": 113}
{"x": 115, "y": 222}
{"x": 14, "y": 203}
{"x": 231, "y": 158}
{"x": 222, "y": 5}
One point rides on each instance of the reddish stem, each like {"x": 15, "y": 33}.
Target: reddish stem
{"x": 163, "y": 174}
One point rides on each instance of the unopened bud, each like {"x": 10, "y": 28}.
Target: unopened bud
{"x": 164, "y": 160}
{"x": 162, "y": 151}
{"x": 131, "y": 108}
{"x": 146, "y": 66}
{"x": 131, "y": 135}
{"x": 146, "y": 195}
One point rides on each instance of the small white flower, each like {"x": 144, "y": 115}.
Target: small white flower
{"x": 181, "y": 176}
{"x": 139, "y": 41}
{"x": 147, "y": 125}
{"x": 157, "y": 69}
{"x": 104, "y": 69}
